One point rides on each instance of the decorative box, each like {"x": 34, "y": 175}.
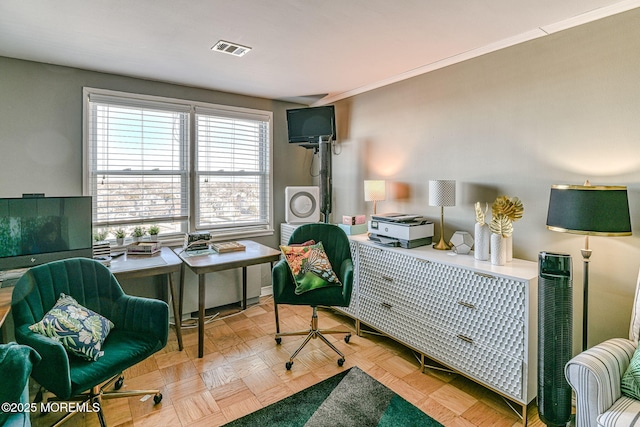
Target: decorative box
{"x": 143, "y": 248}
{"x": 353, "y": 229}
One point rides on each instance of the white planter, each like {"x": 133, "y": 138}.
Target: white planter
{"x": 481, "y": 242}
{"x": 153, "y": 237}
{"x": 120, "y": 241}
{"x": 498, "y": 249}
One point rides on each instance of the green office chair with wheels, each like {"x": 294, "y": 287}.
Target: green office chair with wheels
{"x": 139, "y": 329}
{"x": 286, "y": 291}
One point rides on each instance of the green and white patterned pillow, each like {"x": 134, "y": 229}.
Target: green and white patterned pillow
{"x": 630, "y": 383}
{"x": 80, "y": 330}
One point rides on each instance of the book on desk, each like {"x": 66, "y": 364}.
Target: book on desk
{"x": 224, "y": 247}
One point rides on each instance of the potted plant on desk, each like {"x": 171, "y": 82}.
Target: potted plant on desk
{"x": 120, "y": 234}
{"x": 137, "y": 233}
{"x": 154, "y": 230}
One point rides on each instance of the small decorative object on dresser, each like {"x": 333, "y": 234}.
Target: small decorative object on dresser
{"x": 224, "y": 247}
{"x": 461, "y": 242}
{"x": 154, "y": 230}
{"x": 510, "y": 208}
{"x": 482, "y": 234}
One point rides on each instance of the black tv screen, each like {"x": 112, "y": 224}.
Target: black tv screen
{"x": 307, "y": 125}
{"x": 37, "y": 230}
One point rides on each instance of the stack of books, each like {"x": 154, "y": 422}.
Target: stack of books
{"x": 143, "y": 248}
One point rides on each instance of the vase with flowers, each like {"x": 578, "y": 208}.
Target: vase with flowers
{"x": 505, "y": 211}
{"x": 482, "y": 234}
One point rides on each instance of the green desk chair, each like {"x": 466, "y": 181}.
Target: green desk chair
{"x": 140, "y": 329}
{"x": 16, "y": 362}
{"x": 336, "y": 246}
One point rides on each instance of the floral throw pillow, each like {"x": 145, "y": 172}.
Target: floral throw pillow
{"x": 310, "y": 267}
{"x": 80, "y": 330}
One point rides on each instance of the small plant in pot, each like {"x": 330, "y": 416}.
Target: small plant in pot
{"x": 120, "y": 234}
{"x": 100, "y": 235}
{"x": 154, "y": 230}
{"x": 138, "y": 233}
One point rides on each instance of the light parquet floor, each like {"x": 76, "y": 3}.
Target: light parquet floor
{"x": 243, "y": 370}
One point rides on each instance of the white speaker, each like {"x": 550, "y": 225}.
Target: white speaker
{"x": 302, "y": 205}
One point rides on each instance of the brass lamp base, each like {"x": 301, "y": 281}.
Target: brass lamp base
{"x": 442, "y": 245}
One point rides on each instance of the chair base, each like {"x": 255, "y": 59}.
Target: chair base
{"x": 96, "y": 395}
{"x": 312, "y": 333}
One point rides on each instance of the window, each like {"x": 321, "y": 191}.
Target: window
{"x": 177, "y": 164}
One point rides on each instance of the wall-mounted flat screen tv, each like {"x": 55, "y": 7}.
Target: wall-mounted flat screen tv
{"x": 307, "y": 125}
{"x": 37, "y": 230}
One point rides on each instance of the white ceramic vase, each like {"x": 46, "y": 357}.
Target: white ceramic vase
{"x": 498, "y": 249}
{"x": 481, "y": 242}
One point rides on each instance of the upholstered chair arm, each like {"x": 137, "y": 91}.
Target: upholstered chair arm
{"x": 144, "y": 315}
{"x": 57, "y": 380}
{"x": 595, "y": 377}
{"x": 282, "y": 280}
{"x": 346, "y": 275}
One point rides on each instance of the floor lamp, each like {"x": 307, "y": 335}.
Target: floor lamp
{"x": 591, "y": 211}
{"x": 442, "y": 192}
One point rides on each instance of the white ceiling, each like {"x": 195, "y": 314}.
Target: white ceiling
{"x": 303, "y": 50}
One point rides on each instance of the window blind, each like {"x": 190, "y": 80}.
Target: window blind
{"x": 232, "y": 170}
{"x": 138, "y": 161}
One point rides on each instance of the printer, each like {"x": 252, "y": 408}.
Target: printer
{"x": 396, "y": 229}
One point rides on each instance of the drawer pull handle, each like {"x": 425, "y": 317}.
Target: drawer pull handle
{"x": 386, "y": 305}
{"x": 467, "y": 304}
{"x": 488, "y": 276}
{"x": 387, "y": 278}
{"x": 424, "y": 261}
{"x": 465, "y": 338}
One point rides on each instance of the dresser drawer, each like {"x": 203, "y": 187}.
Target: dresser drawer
{"x": 497, "y": 370}
{"x": 488, "y": 328}
{"x": 490, "y": 293}
{"x": 394, "y": 322}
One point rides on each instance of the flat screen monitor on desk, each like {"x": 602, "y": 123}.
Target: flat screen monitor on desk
{"x": 37, "y": 230}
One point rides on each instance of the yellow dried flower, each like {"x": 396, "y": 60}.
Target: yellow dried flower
{"x": 510, "y": 207}
{"x": 480, "y": 215}
{"x": 501, "y": 224}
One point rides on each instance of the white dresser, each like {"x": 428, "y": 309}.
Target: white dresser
{"x": 473, "y": 317}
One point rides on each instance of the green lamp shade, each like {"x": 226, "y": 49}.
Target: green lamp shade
{"x": 590, "y": 210}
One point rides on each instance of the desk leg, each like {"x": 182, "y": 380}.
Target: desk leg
{"x": 182, "y": 269}
{"x": 201, "y": 297}
{"x": 176, "y": 311}
{"x": 244, "y": 288}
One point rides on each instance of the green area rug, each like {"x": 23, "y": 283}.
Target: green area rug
{"x": 351, "y": 398}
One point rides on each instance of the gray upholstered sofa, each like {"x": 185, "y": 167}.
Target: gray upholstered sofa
{"x": 595, "y": 376}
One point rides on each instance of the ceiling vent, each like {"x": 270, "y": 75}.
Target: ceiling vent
{"x": 230, "y": 48}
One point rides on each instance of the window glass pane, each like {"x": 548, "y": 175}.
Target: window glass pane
{"x": 231, "y": 201}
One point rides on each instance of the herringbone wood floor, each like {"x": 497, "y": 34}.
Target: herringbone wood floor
{"x": 244, "y": 370}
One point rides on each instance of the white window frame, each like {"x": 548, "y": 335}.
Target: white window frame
{"x": 194, "y": 107}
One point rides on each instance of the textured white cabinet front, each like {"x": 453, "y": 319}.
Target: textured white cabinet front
{"x": 466, "y": 314}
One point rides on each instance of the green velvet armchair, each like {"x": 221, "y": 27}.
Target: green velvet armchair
{"x": 16, "y": 362}
{"x": 140, "y": 329}
{"x": 336, "y": 246}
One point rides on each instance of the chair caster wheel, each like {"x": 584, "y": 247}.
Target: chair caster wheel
{"x": 278, "y": 340}
{"x": 119, "y": 383}
{"x": 347, "y": 338}
{"x": 340, "y": 362}
{"x": 288, "y": 365}
{"x": 157, "y": 398}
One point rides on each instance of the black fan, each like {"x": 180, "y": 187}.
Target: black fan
{"x": 555, "y": 319}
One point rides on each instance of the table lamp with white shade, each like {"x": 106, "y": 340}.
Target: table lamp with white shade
{"x": 374, "y": 191}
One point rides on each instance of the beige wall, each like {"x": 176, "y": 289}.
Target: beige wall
{"x": 555, "y": 110}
